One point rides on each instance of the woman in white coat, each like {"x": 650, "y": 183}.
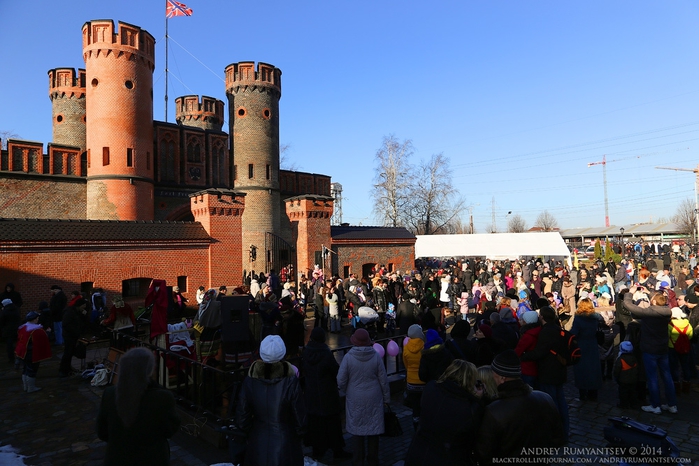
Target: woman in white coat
{"x": 362, "y": 377}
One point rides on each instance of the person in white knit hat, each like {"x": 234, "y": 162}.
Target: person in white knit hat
{"x": 271, "y": 408}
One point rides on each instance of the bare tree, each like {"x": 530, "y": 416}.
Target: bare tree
{"x": 284, "y": 159}
{"x": 546, "y": 221}
{"x": 5, "y": 135}
{"x": 684, "y": 217}
{"x": 458, "y": 227}
{"x": 392, "y": 182}
{"x": 516, "y": 224}
{"x": 434, "y": 201}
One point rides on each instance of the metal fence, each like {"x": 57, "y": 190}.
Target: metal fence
{"x": 209, "y": 393}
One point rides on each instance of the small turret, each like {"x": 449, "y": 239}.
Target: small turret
{"x": 206, "y": 113}
{"x": 67, "y": 94}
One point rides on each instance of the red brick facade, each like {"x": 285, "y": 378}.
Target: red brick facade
{"x": 310, "y": 226}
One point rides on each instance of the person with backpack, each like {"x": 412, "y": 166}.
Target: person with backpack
{"x": 626, "y": 369}
{"x": 680, "y": 333}
{"x": 551, "y": 361}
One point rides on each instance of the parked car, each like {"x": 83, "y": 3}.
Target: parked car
{"x": 590, "y": 251}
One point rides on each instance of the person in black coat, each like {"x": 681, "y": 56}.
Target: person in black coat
{"x": 406, "y": 315}
{"x": 553, "y": 372}
{"x": 460, "y": 345}
{"x": 11, "y": 293}
{"x": 271, "y": 409}
{"x": 136, "y": 416}
{"x": 322, "y": 398}
{"x": 435, "y": 357}
{"x": 58, "y": 303}
{"x": 9, "y": 323}
{"x": 74, "y": 320}
{"x": 448, "y": 439}
{"x": 520, "y": 418}
{"x": 503, "y": 331}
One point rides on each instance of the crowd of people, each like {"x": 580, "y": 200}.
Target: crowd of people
{"x": 486, "y": 341}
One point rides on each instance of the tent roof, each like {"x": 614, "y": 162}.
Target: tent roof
{"x": 492, "y": 246}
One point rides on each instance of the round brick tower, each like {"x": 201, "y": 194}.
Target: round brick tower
{"x": 206, "y": 114}
{"x": 253, "y": 106}
{"x": 67, "y": 94}
{"x": 119, "y": 84}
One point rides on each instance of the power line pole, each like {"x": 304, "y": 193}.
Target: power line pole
{"x": 494, "y": 227}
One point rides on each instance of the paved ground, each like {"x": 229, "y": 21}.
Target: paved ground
{"x": 56, "y": 426}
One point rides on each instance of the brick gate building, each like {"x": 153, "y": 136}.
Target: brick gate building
{"x": 118, "y": 198}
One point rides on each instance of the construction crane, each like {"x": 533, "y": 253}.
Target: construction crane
{"x": 696, "y": 194}
{"x": 604, "y": 163}
{"x": 604, "y": 174}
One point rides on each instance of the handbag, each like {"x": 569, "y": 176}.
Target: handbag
{"x": 391, "y": 424}
{"x": 80, "y": 351}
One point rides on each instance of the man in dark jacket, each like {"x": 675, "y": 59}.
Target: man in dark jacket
{"x": 654, "y": 348}
{"x": 57, "y": 304}
{"x": 11, "y": 293}
{"x": 9, "y": 323}
{"x": 322, "y": 398}
{"x": 74, "y": 319}
{"x": 552, "y": 372}
{"x": 520, "y": 418}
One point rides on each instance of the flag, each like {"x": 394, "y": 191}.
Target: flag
{"x": 177, "y": 9}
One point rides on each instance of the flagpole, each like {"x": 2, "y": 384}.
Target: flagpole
{"x": 166, "y": 60}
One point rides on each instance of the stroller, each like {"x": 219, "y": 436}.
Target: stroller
{"x": 366, "y": 318}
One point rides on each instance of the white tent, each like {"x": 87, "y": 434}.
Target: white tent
{"x": 492, "y": 246}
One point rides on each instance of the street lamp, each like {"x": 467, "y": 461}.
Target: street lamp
{"x": 623, "y": 249}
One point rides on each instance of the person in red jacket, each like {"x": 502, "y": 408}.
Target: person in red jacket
{"x": 32, "y": 347}
{"x": 529, "y": 331}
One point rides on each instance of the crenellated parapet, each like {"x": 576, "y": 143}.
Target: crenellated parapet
{"x": 206, "y": 113}
{"x": 130, "y": 42}
{"x": 244, "y": 75}
{"x": 64, "y": 82}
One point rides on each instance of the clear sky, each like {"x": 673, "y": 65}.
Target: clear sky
{"x": 520, "y": 96}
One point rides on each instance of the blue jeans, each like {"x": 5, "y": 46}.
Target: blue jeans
{"x": 655, "y": 363}
{"x": 559, "y": 398}
{"x": 58, "y": 332}
{"x": 335, "y": 323}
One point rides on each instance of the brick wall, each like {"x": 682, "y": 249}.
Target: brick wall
{"x": 25, "y": 197}
{"x": 357, "y": 255}
{"x": 33, "y": 272}
{"x": 310, "y": 223}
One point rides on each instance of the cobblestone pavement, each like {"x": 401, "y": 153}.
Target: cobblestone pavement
{"x": 56, "y": 426}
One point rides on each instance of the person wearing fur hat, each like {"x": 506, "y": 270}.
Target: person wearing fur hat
{"x": 412, "y": 354}
{"x": 626, "y": 370}
{"x": 508, "y": 427}
{"x": 32, "y": 347}
{"x": 322, "y": 398}
{"x": 271, "y": 408}
{"x": 680, "y": 332}
{"x": 362, "y": 377}
{"x": 435, "y": 357}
